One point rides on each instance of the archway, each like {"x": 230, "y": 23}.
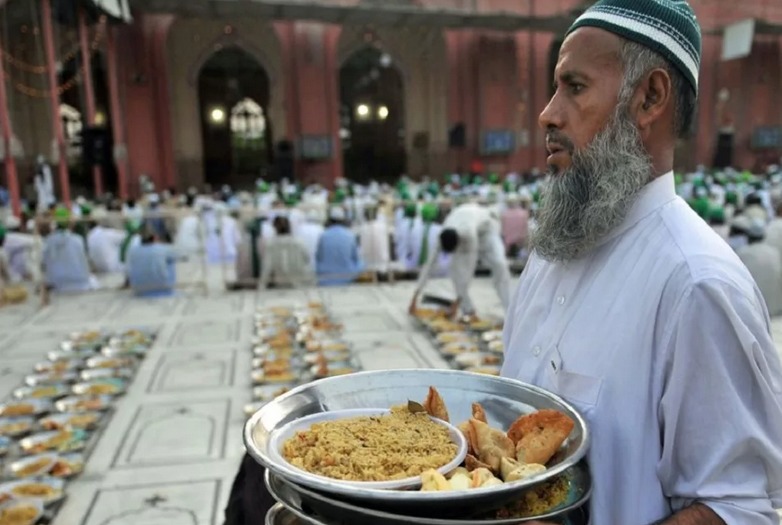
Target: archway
{"x": 233, "y": 92}
{"x": 372, "y": 117}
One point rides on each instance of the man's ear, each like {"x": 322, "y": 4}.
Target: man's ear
{"x": 653, "y": 97}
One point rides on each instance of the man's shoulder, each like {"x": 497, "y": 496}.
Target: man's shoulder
{"x": 696, "y": 256}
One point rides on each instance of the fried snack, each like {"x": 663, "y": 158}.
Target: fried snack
{"x": 472, "y": 463}
{"x": 466, "y": 429}
{"x": 435, "y": 406}
{"x": 372, "y": 448}
{"x": 433, "y": 481}
{"x": 461, "y": 480}
{"x": 508, "y": 465}
{"x": 484, "y": 478}
{"x": 34, "y": 490}
{"x": 539, "y": 435}
{"x": 478, "y": 413}
{"x": 18, "y": 515}
{"x": 525, "y": 471}
{"x": 492, "y": 444}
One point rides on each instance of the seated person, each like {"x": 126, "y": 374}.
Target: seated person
{"x": 285, "y": 261}
{"x": 65, "y": 262}
{"x": 103, "y": 247}
{"x": 337, "y": 259}
{"x": 151, "y": 267}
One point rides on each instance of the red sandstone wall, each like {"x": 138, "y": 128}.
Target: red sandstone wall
{"x": 495, "y": 81}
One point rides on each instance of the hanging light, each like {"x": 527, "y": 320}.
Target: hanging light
{"x": 217, "y": 115}
{"x": 362, "y": 111}
{"x": 382, "y": 112}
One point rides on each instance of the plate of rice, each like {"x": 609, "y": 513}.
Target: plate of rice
{"x": 381, "y": 449}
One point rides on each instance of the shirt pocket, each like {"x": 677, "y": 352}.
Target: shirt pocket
{"x": 580, "y": 389}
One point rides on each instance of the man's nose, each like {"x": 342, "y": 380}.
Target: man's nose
{"x": 551, "y": 116}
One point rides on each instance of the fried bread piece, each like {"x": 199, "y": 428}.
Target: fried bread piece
{"x": 539, "y": 435}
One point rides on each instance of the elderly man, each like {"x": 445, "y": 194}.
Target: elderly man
{"x": 470, "y": 231}
{"x": 631, "y": 307}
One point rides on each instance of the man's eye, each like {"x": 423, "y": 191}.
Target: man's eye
{"x": 576, "y": 88}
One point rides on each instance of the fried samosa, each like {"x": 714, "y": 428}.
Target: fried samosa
{"x": 435, "y": 406}
{"x": 478, "y": 413}
{"x": 491, "y": 444}
{"x": 539, "y": 435}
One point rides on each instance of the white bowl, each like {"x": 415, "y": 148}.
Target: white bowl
{"x": 281, "y": 435}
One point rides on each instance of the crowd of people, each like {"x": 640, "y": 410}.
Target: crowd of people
{"x": 283, "y": 235}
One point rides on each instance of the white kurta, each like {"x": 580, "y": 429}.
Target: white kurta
{"x": 18, "y": 248}
{"x": 374, "y": 239}
{"x": 479, "y": 236}
{"x": 661, "y": 339}
{"x": 189, "y": 236}
{"x": 103, "y": 249}
{"x": 309, "y": 234}
{"x": 774, "y": 234}
{"x": 765, "y": 265}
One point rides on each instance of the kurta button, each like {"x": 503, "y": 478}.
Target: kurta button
{"x": 561, "y": 300}
{"x": 536, "y": 350}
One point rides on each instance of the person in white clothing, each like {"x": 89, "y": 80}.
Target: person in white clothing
{"x": 631, "y": 307}
{"x": 374, "y": 241}
{"x": 774, "y": 230}
{"x": 103, "y": 248}
{"x": 765, "y": 265}
{"x": 470, "y": 231}
{"x": 309, "y": 233}
{"x": 405, "y": 222}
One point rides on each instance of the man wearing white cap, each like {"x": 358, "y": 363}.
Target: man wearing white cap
{"x": 337, "y": 259}
{"x": 631, "y": 307}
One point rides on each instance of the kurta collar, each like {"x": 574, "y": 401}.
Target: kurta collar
{"x": 652, "y": 197}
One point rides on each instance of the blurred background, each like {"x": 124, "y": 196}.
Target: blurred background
{"x": 209, "y": 92}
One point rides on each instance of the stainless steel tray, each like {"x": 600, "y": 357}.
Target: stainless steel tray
{"x": 322, "y": 509}
{"x": 503, "y": 400}
{"x": 279, "y": 515}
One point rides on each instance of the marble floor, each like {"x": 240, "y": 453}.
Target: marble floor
{"x": 173, "y": 445}
{"x": 172, "y": 448}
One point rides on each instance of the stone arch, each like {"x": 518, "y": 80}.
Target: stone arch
{"x": 191, "y": 42}
{"x": 420, "y": 56}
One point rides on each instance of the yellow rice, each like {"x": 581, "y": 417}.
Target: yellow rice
{"x": 376, "y": 448}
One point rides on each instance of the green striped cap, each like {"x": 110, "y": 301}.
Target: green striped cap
{"x": 668, "y": 27}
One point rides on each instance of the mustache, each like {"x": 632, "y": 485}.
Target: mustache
{"x": 556, "y": 137}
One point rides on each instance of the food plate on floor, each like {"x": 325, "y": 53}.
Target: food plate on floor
{"x": 64, "y": 440}
{"x": 21, "y": 512}
{"x": 83, "y": 403}
{"x": 30, "y": 466}
{"x": 46, "y": 488}
{"x": 26, "y": 407}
